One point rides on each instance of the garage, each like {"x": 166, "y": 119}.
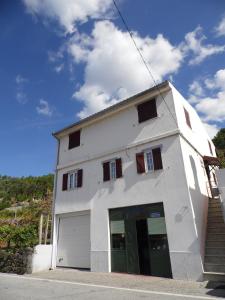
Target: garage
{"x": 74, "y": 241}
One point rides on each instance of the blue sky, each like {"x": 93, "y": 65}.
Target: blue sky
{"x": 64, "y": 60}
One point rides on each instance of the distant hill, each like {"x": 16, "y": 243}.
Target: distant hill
{"x": 15, "y": 191}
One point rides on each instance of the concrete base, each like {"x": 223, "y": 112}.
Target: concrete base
{"x": 99, "y": 261}
{"x": 41, "y": 260}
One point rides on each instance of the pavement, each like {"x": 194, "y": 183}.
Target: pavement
{"x": 70, "y": 284}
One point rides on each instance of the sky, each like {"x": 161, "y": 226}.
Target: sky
{"x": 64, "y": 60}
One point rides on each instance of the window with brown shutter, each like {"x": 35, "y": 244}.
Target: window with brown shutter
{"x": 65, "y": 182}
{"x": 79, "y": 178}
{"x": 106, "y": 171}
{"x": 140, "y": 163}
{"x": 157, "y": 159}
{"x": 147, "y": 110}
{"x": 119, "y": 168}
{"x": 187, "y": 117}
{"x": 210, "y": 148}
{"x": 74, "y": 139}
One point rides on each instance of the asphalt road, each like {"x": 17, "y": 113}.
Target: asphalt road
{"x": 13, "y": 287}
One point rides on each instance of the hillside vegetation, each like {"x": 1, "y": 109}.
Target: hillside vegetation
{"x": 22, "y": 202}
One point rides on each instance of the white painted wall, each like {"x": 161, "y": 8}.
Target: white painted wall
{"x": 220, "y": 175}
{"x": 41, "y": 260}
{"x": 180, "y": 185}
{"x": 118, "y": 131}
{"x": 198, "y": 135}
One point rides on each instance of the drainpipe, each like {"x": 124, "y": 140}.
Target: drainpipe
{"x": 53, "y": 227}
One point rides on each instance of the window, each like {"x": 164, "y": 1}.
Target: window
{"x": 72, "y": 180}
{"x": 147, "y": 110}
{"x": 187, "y": 117}
{"x": 74, "y": 139}
{"x": 112, "y": 169}
{"x": 210, "y": 148}
{"x": 149, "y": 160}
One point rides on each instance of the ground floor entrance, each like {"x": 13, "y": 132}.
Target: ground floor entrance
{"x": 139, "y": 240}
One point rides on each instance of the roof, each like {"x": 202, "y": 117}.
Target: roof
{"x": 210, "y": 160}
{"x": 157, "y": 88}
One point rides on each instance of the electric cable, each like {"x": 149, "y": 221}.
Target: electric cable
{"x": 142, "y": 58}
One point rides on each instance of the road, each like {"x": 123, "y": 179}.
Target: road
{"x": 15, "y": 287}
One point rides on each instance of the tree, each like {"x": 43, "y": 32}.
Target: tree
{"x": 219, "y": 142}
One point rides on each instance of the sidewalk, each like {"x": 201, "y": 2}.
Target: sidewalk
{"x": 201, "y": 290}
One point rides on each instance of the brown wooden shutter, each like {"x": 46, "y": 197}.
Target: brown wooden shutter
{"x": 119, "y": 168}
{"x": 140, "y": 162}
{"x": 64, "y": 182}
{"x": 79, "y": 178}
{"x": 210, "y": 148}
{"x": 106, "y": 171}
{"x": 187, "y": 117}
{"x": 157, "y": 159}
{"x": 147, "y": 110}
{"x": 74, "y": 139}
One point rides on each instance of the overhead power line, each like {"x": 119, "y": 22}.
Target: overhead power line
{"x": 147, "y": 65}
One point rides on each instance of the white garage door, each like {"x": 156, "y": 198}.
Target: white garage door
{"x": 74, "y": 242}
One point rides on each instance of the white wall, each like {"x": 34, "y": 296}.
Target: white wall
{"x": 197, "y": 186}
{"x": 41, "y": 260}
{"x": 118, "y": 131}
{"x": 197, "y": 136}
{"x": 220, "y": 175}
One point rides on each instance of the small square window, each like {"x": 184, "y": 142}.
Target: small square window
{"x": 147, "y": 110}
{"x": 74, "y": 139}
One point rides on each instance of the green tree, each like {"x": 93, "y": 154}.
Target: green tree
{"x": 219, "y": 142}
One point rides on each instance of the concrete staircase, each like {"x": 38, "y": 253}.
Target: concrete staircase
{"x": 215, "y": 243}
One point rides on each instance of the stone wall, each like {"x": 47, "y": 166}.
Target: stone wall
{"x": 18, "y": 261}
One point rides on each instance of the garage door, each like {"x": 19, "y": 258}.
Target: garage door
{"x": 74, "y": 242}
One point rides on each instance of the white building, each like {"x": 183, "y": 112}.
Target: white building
{"x": 131, "y": 189}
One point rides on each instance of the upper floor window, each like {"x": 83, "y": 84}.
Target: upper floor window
{"x": 210, "y": 148}
{"x": 147, "y": 110}
{"x": 112, "y": 169}
{"x": 74, "y": 139}
{"x": 149, "y": 160}
{"x": 72, "y": 180}
{"x": 187, "y": 117}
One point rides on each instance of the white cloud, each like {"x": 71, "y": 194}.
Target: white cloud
{"x": 194, "y": 44}
{"x": 212, "y": 129}
{"x": 220, "y": 29}
{"x": 21, "y": 95}
{"x": 68, "y": 12}
{"x": 44, "y": 108}
{"x": 59, "y": 68}
{"x": 20, "y": 79}
{"x": 113, "y": 67}
{"x": 212, "y": 107}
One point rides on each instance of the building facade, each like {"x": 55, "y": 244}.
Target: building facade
{"x": 131, "y": 189}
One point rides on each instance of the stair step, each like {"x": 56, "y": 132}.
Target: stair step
{"x": 214, "y": 276}
{"x": 215, "y": 220}
{"x": 215, "y": 251}
{"x": 215, "y": 259}
{"x": 214, "y": 214}
{"x": 214, "y": 204}
{"x": 216, "y": 229}
{"x": 214, "y": 209}
{"x": 215, "y": 244}
{"x": 215, "y": 237}
{"x": 211, "y": 267}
